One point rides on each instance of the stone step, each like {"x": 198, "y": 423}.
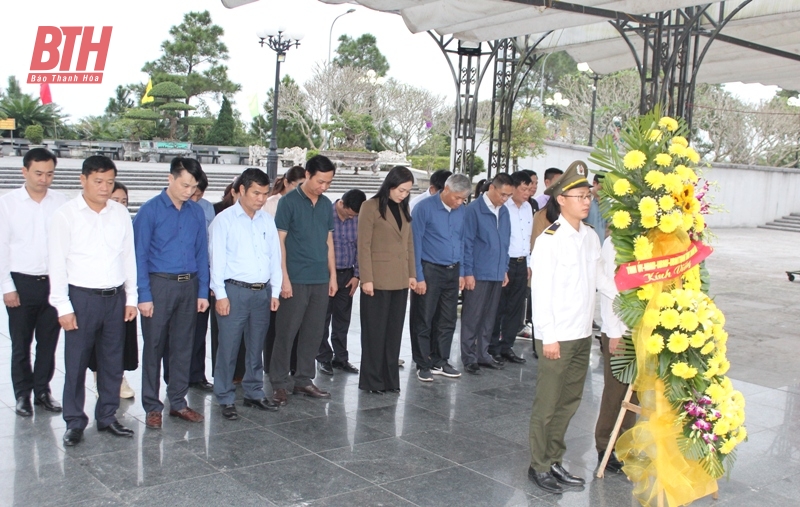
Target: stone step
{"x": 789, "y": 219}
{"x": 779, "y": 227}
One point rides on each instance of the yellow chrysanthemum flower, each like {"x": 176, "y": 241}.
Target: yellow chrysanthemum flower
{"x": 685, "y": 173}
{"x": 683, "y": 370}
{"x": 665, "y": 300}
{"x": 648, "y": 206}
{"x": 707, "y": 349}
{"x": 682, "y": 297}
{"x": 699, "y": 223}
{"x": 670, "y": 318}
{"x": 673, "y": 183}
{"x": 692, "y": 155}
{"x": 622, "y": 187}
{"x": 741, "y": 435}
{"x": 668, "y": 123}
{"x": 689, "y": 321}
{"x": 634, "y": 159}
{"x": 663, "y": 159}
{"x": 654, "y": 178}
{"x": 724, "y": 367}
{"x": 655, "y": 136}
{"x": 678, "y": 342}
{"x": 687, "y": 221}
{"x": 716, "y": 392}
{"x": 668, "y": 223}
{"x": 649, "y": 221}
{"x": 654, "y": 344}
{"x": 680, "y": 140}
{"x": 621, "y": 219}
{"x": 728, "y": 446}
{"x": 645, "y": 293}
{"x": 676, "y": 150}
{"x": 666, "y": 202}
{"x": 722, "y": 427}
{"x": 651, "y": 318}
{"x": 697, "y": 340}
{"x": 642, "y": 248}
{"x": 710, "y": 373}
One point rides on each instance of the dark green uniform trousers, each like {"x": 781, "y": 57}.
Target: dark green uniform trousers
{"x": 613, "y": 394}
{"x": 559, "y": 389}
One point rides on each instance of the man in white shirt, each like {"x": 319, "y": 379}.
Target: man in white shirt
{"x": 511, "y": 310}
{"x": 551, "y": 175}
{"x": 437, "y": 181}
{"x": 92, "y": 267}
{"x": 246, "y": 273}
{"x": 567, "y": 270}
{"x": 25, "y": 215}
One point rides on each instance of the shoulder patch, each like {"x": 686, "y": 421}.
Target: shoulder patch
{"x": 553, "y": 228}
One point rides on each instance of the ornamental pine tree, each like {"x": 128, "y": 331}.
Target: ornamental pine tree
{"x": 222, "y": 132}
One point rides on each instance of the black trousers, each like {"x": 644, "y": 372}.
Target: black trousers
{"x": 101, "y": 327}
{"x": 269, "y": 344}
{"x": 440, "y": 301}
{"x": 511, "y": 310}
{"x": 382, "y": 318}
{"x": 337, "y": 321}
{"x": 130, "y": 353}
{"x": 33, "y": 316}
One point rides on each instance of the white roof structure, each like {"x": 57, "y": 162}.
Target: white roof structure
{"x": 760, "y": 44}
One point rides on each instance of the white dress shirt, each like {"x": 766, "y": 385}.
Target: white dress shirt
{"x": 494, "y": 209}
{"x": 23, "y": 234}
{"x": 244, "y": 249}
{"x": 521, "y": 230}
{"x": 271, "y": 204}
{"x": 612, "y": 326}
{"x": 91, "y": 250}
{"x": 413, "y": 202}
{"x": 567, "y": 270}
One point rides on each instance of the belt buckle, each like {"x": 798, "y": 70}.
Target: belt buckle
{"x": 256, "y": 286}
{"x": 109, "y": 292}
{"x": 184, "y": 278}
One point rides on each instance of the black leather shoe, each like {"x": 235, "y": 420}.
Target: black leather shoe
{"x": 375, "y": 391}
{"x": 513, "y": 358}
{"x": 473, "y": 369}
{"x": 565, "y": 477}
{"x": 24, "y": 407}
{"x": 116, "y": 429}
{"x": 497, "y": 357}
{"x": 614, "y": 465}
{"x": 345, "y": 366}
{"x": 47, "y": 402}
{"x": 262, "y": 404}
{"x": 326, "y": 368}
{"x": 545, "y": 481}
{"x": 229, "y": 412}
{"x": 494, "y": 365}
{"x": 203, "y": 385}
{"x": 73, "y": 437}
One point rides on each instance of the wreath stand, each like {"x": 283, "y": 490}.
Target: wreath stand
{"x": 626, "y": 407}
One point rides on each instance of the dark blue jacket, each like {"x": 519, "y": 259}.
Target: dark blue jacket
{"x": 486, "y": 242}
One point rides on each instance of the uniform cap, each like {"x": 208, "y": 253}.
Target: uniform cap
{"x": 573, "y": 177}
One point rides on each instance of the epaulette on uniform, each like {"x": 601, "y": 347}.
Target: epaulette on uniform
{"x": 553, "y": 228}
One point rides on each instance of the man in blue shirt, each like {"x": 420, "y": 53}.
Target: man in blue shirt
{"x": 172, "y": 266}
{"x": 245, "y": 275}
{"x": 487, "y": 232}
{"x": 438, "y": 223}
{"x": 595, "y": 218}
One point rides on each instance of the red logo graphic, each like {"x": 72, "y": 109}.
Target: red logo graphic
{"x": 48, "y": 54}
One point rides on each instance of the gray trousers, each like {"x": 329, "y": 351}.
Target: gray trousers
{"x": 477, "y": 321}
{"x": 303, "y": 312}
{"x": 174, "y": 319}
{"x": 101, "y": 327}
{"x": 249, "y": 316}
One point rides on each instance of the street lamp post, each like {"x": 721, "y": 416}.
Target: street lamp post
{"x": 584, "y": 67}
{"x": 330, "y": 33}
{"x": 280, "y": 42}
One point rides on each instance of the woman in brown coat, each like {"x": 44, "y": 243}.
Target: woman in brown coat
{"x": 386, "y": 263}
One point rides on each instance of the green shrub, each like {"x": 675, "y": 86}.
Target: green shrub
{"x": 34, "y": 134}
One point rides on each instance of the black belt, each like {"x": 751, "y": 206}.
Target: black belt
{"x": 251, "y": 286}
{"x": 445, "y": 266}
{"x": 184, "y": 277}
{"x": 106, "y": 293}
{"x": 342, "y": 270}
{"x": 518, "y": 259}
{"x": 35, "y": 278}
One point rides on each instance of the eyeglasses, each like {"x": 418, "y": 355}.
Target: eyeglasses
{"x": 587, "y": 197}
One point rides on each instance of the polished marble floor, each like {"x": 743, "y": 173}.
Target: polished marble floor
{"x": 455, "y": 442}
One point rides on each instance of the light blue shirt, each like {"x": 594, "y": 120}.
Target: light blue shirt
{"x": 208, "y": 209}
{"x": 244, "y": 249}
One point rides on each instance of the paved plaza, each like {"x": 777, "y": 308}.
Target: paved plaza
{"x": 461, "y": 442}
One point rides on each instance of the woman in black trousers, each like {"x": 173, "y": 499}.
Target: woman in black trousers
{"x": 386, "y": 263}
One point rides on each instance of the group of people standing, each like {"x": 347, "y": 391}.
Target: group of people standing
{"x": 277, "y": 268}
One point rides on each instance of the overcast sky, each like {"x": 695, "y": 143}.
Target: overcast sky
{"x": 141, "y": 26}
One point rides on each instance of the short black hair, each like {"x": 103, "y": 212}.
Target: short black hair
{"x": 202, "y": 184}
{"x": 319, "y": 164}
{"x": 119, "y": 186}
{"x": 98, "y": 164}
{"x": 190, "y": 165}
{"x": 353, "y": 199}
{"x": 252, "y": 176}
{"x": 501, "y": 179}
{"x": 598, "y": 177}
{"x": 519, "y": 178}
{"x": 38, "y": 155}
{"x": 552, "y": 172}
{"x": 529, "y": 173}
{"x": 438, "y": 179}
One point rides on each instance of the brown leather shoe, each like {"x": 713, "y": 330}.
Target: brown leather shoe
{"x": 311, "y": 391}
{"x": 280, "y": 397}
{"x": 153, "y": 420}
{"x": 187, "y": 414}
